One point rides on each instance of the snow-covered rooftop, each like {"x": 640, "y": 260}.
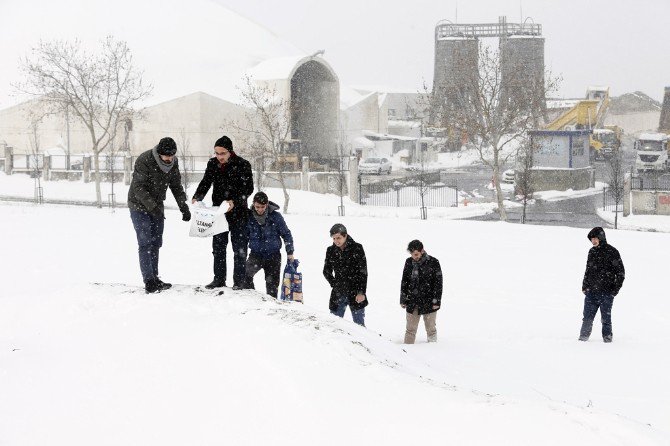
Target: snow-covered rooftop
{"x": 653, "y": 137}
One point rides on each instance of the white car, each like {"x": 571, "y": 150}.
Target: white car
{"x": 375, "y": 165}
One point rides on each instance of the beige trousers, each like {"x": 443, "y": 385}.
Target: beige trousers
{"x": 413, "y": 324}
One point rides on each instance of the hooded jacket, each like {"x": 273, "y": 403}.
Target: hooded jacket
{"x": 605, "y": 272}
{"x": 266, "y": 239}
{"x": 346, "y": 270}
{"x": 421, "y": 285}
{"x": 149, "y": 185}
{"x": 232, "y": 181}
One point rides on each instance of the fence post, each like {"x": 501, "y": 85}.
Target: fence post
{"x": 46, "y": 167}
{"x": 9, "y": 159}
{"x": 86, "y": 166}
{"x": 626, "y": 195}
{"x": 354, "y": 180}
{"x": 128, "y": 169}
{"x": 305, "y": 173}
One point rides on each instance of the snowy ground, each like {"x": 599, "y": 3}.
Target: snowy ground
{"x": 303, "y": 203}
{"x": 659, "y": 223}
{"x": 85, "y": 364}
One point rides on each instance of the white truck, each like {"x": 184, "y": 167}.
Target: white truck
{"x": 652, "y": 152}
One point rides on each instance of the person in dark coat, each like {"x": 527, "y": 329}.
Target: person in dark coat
{"x": 346, "y": 270}
{"x": 155, "y": 171}
{"x": 233, "y": 182}
{"x": 266, "y": 229}
{"x": 603, "y": 279}
{"x": 420, "y": 291}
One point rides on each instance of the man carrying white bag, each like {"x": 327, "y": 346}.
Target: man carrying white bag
{"x": 208, "y": 221}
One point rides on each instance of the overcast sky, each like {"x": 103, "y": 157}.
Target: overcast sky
{"x": 621, "y": 43}
{"x": 197, "y": 45}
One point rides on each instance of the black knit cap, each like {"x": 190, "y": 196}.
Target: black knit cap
{"x": 224, "y": 142}
{"x": 167, "y": 147}
{"x": 338, "y": 228}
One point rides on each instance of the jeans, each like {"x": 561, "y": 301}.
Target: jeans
{"x": 270, "y": 265}
{"x": 357, "y": 315}
{"x": 149, "y": 231}
{"x": 593, "y": 302}
{"x": 240, "y": 242}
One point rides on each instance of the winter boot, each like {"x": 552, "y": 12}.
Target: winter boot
{"x": 238, "y": 287}
{"x": 216, "y": 283}
{"x": 152, "y": 286}
{"x": 432, "y": 338}
{"x": 164, "y": 285}
{"x": 585, "y": 332}
{"x": 607, "y": 338}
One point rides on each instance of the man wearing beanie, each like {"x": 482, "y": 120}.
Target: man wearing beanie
{"x": 603, "y": 279}
{"x": 155, "y": 171}
{"x": 233, "y": 182}
{"x": 346, "y": 270}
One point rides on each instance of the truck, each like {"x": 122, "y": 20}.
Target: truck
{"x": 652, "y": 152}
{"x": 605, "y": 142}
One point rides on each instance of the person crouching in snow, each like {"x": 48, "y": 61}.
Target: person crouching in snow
{"x": 420, "y": 291}
{"x": 603, "y": 279}
{"x": 265, "y": 229}
{"x": 346, "y": 270}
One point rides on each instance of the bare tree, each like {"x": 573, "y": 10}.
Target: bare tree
{"x": 34, "y": 140}
{"x": 493, "y": 121}
{"x": 186, "y": 157}
{"x": 343, "y": 154}
{"x": 523, "y": 174}
{"x": 100, "y": 89}
{"x": 616, "y": 177}
{"x": 267, "y": 126}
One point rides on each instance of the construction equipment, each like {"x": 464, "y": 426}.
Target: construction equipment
{"x": 589, "y": 114}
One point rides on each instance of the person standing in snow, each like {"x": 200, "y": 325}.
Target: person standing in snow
{"x": 233, "y": 183}
{"x": 420, "y": 291}
{"x": 155, "y": 171}
{"x": 266, "y": 229}
{"x": 346, "y": 270}
{"x": 603, "y": 279}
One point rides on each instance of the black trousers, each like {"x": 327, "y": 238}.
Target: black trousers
{"x": 240, "y": 242}
{"x": 593, "y": 302}
{"x": 270, "y": 265}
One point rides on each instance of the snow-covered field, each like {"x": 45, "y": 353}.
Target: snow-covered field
{"x": 85, "y": 364}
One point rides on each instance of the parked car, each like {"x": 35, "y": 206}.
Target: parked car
{"x": 375, "y": 165}
{"x": 508, "y": 176}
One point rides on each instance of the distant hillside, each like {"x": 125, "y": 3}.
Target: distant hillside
{"x": 635, "y": 102}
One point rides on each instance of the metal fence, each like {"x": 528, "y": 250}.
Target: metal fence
{"x": 651, "y": 182}
{"x": 407, "y": 193}
{"x": 610, "y": 200}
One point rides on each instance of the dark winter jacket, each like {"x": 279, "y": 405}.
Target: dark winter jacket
{"x": 150, "y": 183}
{"x": 421, "y": 285}
{"x": 347, "y": 273}
{"x": 265, "y": 239}
{"x": 232, "y": 181}
{"x": 605, "y": 272}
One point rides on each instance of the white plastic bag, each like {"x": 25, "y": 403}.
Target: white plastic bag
{"x": 207, "y": 221}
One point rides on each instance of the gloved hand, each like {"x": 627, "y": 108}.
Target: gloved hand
{"x": 185, "y": 214}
